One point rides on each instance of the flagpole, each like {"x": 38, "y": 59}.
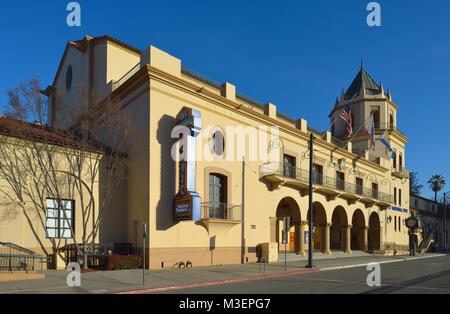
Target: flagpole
{"x": 364, "y": 125}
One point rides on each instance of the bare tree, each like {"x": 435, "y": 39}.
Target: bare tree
{"x": 85, "y": 159}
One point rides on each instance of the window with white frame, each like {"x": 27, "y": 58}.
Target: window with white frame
{"x": 60, "y": 219}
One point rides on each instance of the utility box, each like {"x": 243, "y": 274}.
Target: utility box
{"x": 269, "y": 251}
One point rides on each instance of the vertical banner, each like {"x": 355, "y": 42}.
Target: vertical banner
{"x": 187, "y": 201}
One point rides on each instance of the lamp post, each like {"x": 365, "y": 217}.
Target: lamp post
{"x": 412, "y": 223}
{"x": 310, "y": 218}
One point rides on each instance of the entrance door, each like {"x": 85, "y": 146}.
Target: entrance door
{"x": 292, "y": 240}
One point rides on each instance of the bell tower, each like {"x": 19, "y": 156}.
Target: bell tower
{"x": 366, "y": 97}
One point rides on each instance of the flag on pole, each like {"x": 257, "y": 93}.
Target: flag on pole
{"x": 388, "y": 147}
{"x": 370, "y": 131}
{"x": 346, "y": 116}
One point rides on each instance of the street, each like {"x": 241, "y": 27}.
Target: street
{"x": 421, "y": 276}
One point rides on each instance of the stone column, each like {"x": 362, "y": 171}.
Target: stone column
{"x": 365, "y": 239}
{"x": 381, "y": 238}
{"x": 326, "y": 239}
{"x": 348, "y": 239}
{"x": 273, "y": 229}
{"x": 301, "y": 246}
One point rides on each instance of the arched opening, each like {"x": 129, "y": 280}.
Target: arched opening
{"x": 337, "y": 232}
{"x": 320, "y": 222}
{"x": 357, "y": 231}
{"x": 374, "y": 232}
{"x": 376, "y": 118}
{"x": 288, "y": 207}
{"x": 391, "y": 121}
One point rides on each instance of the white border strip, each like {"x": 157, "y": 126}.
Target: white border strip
{"x": 405, "y": 259}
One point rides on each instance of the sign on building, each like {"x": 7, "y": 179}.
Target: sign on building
{"x": 187, "y": 201}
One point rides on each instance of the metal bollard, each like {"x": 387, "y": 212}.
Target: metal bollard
{"x": 262, "y": 261}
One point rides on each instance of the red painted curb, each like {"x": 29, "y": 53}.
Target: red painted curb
{"x": 212, "y": 283}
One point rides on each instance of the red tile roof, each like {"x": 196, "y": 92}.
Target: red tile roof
{"x": 35, "y": 131}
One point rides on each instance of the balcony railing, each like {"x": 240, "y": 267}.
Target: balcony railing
{"x": 222, "y": 211}
{"x": 390, "y": 127}
{"x": 378, "y": 126}
{"x": 334, "y": 183}
{"x": 400, "y": 171}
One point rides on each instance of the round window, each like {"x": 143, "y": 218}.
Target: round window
{"x": 69, "y": 78}
{"x": 218, "y": 143}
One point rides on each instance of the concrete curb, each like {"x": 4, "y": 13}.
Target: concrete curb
{"x": 212, "y": 283}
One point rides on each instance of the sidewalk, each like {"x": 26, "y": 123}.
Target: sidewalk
{"x": 170, "y": 279}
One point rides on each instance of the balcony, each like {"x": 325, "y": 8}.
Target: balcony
{"x": 389, "y": 127}
{"x": 221, "y": 211}
{"x": 279, "y": 174}
{"x": 400, "y": 172}
{"x": 380, "y": 126}
{"x": 218, "y": 214}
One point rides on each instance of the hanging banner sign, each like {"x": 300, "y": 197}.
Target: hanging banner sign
{"x": 187, "y": 201}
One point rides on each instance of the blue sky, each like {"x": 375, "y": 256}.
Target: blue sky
{"x": 295, "y": 54}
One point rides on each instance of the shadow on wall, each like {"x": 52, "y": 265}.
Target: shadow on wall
{"x": 164, "y": 210}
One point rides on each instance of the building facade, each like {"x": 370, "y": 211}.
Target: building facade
{"x": 245, "y": 166}
{"x": 431, "y": 220}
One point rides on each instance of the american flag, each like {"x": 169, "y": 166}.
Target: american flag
{"x": 346, "y": 116}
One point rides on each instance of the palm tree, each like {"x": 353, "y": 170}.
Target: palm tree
{"x": 436, "y": 183}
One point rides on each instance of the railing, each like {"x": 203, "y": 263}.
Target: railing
{"x": 249, "y": 100}
{"x": 314, "y": 130}
{"x": 390, "y": 127}
{"x": 374, "y": 158}
{"x": 200, "y": 78}
{"x": 222, "y": 211}
{"x": 14, "y": 258}
{"x": 338, "y": 142}
{"x": 280, "y": 169}
{"x": 402, "y": 171}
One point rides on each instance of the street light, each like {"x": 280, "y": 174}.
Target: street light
{"x": 310, "y": 218}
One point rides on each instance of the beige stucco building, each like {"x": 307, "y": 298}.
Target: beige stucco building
{"x": 259, "y": 176}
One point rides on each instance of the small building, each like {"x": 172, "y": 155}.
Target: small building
{"x": 431, "y": 219}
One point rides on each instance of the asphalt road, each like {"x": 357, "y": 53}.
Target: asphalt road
{"x": 424, "y": 276}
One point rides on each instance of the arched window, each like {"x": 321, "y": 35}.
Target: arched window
{"x": 217, "y": 196}
{"x": 376, "y": 118}
{"x": 391, "y": 121}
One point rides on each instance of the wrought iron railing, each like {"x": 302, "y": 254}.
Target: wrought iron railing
{"x": 222, "y": 211}
{"x": 280, "y": 169}
{"x": 200, "y": 78}
{"x": 390, "y": 127}
{"x": 14, "y": 258}
{"x": 338, "y": 142}
{"x": 402, "y": 171}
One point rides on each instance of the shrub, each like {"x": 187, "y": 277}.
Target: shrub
{"x": 121, "y": 262}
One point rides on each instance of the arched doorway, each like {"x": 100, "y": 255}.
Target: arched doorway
{"x": 337, "y": 232}
{"x": 288, "y": 207}
{"x": 320, "y": 224}
{"x": 357, "y": 232}
{"x": 374, "y": 232}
